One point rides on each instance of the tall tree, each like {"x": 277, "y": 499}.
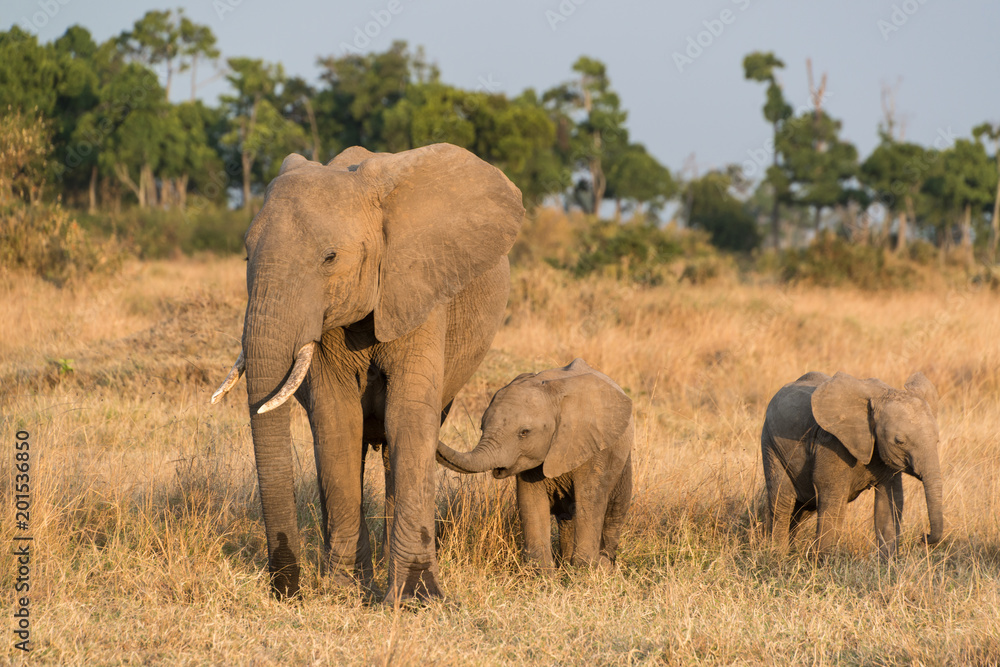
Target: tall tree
{"x": 636, "y": 176}
{"x": 712, "y": 207}
{"x": 816, "y": 163}
{"x": 992, "y": 132}
{"x": 590, "y": 123}
{"x": 196, "y": 42}
{"x": 968, "y": 184}
{"x": 260, "y": 134}
{"x": 761, "y": 66}
{"x": 360, "y": 90}
{"x": 896, "y": 172}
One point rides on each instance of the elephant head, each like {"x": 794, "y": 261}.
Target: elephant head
{"x": 373, "y": 238}
{"x": 901, "y": 425}
{"x": 557, "y": 419}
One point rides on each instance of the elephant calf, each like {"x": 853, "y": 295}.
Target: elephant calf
{"x": 825, "y": 440}
{"x": 567, "y": 434}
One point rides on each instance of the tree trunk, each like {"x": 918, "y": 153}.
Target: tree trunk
{"x": 180, "y": 189}
{"x": 967, "y": 233}
{"x": 598, "y": 181}
{"x": 121, "y": 171}
{"x": 775, "y": 223}
{"x": 247, "y": 162}
{"x": 194, "y": 74}
{"x": 92, "y": 190}
{"x": 901, "y": 233}
{"x": 246, "y": 156}
{"x": 147, "y": 180}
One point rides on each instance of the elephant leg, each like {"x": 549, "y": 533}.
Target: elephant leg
{"x": 567, "y": 539}
{"x": 591, "y": 506}
{"x": 533, "y": 508}
{"x": 831, "y": 505}
{"x": 618, "y": 504}
{"x": 799, "y": 512}
{"x": 781, "y": 501}
{"x": 412, "y": 426}
{"x": 888, "y": 513}
{"x": 390, "y": 503}
{"x": 337, "y": 424}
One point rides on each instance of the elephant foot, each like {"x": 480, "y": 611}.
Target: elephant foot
{"x": 417, "y": 586}
{"x": 284, "y": 569}
{"x": 285, "y": 582}
{"x": 607, "y": 562}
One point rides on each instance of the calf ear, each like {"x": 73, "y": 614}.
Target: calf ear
{"x": 841, "y": 406}
{"x": 919, "y": 385}
{"x": 593, "y": 414}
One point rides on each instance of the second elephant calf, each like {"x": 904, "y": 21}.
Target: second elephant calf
{"x": 567, "y": 434}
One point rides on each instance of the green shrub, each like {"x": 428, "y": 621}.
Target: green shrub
{"x": 831, "y": 260}
{"x": 45, "y": 239}
{"x": 156, "y": 233}
{"x": 637, "y": 250}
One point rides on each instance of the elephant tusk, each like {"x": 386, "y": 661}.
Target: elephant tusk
{"x": 298, "y": 374}
{"x": 234, "y": 376}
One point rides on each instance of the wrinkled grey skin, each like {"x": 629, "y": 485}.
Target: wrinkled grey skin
{"x": 396, "y": 265}
{"x": 825, "y": 440}
{"x": 567, "y": 434}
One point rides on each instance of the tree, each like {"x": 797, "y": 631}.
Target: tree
{"x": 760, "y": 66}
{"x": 153, "y": 40}
{"x": 197, "y": 41}
{"x": 896, "y": 172}
{"x": 636, "y": 176}
{"x": 992, "y": 132}
{"x": 590, "y": 125}
{"x": 713, "y": 208}
{"x": 176, "y": 42}
{"x": 361, "y": 90}
{"x": 817, "y": 165}
{"x": 260, "y": 134}
{"x": 968, "y": 182}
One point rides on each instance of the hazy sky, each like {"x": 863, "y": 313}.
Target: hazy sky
{"x": 946, "y": 54}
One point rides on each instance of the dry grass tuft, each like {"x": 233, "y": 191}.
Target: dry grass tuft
{"x": 149, "y": 541}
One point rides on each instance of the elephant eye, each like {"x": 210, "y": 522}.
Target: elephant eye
{"x": 523, "y": 433}
{"x": 329, "y": 257}
{"x": 900, "y": 440}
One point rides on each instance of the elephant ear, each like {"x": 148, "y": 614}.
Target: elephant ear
{"x": 593, "y": 414}
{"x": 447, "y": 218}
{"x": 841, "y": 407}
{"x": 919, "y": 385}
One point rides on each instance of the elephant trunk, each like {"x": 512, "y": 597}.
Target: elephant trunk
{"x": 271, "y": 338}
{"x": 930, "y": 473}
{"x": 486, "y": 456}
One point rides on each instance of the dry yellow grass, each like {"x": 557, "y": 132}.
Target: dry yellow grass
{"x": 149, "y": 543}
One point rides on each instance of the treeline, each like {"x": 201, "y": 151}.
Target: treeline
{"x": 114, "y": 140}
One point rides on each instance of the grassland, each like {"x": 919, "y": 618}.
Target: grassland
{"x": 149, "y": 542}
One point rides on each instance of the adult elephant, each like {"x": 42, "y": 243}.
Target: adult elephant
{"x": 376, "y": 284}
{"x": 825, "y": 440}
